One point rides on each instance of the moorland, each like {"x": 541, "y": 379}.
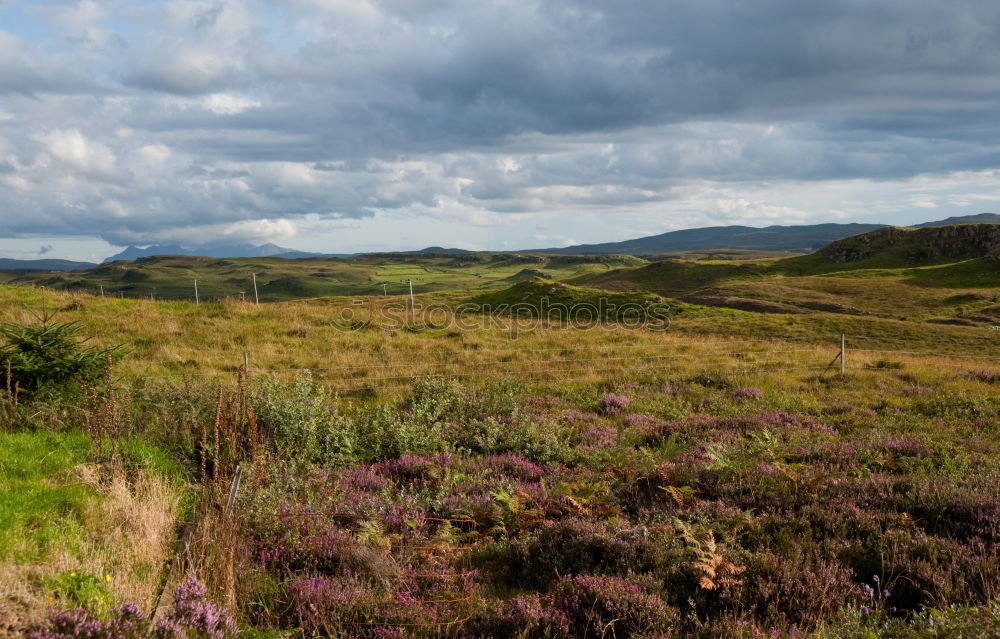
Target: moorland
{"x": 678, "y": 451}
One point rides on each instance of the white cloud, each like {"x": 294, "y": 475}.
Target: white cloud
{"x": 227, "y": 104}
{"x": 362, "y": 11}
{"x": 72, "y": 148}
{"x": 153, "y": 154}
{"x": 16, "y": 182}
{"x": 261, "y": 230}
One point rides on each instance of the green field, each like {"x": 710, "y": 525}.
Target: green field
{"x": 173, "y": 277}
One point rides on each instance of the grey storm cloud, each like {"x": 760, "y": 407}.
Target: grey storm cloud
{"x": 185, "y": 118}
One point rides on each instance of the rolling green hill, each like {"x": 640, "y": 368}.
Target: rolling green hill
{"x": 173, "y": 276}
{"x": 933, "y": 274}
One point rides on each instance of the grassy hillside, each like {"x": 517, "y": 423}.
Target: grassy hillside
{"x": 172, "y": 277}
{"x": 380, "y": 341}
{"x": 933, "y": 274}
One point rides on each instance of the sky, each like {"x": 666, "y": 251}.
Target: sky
{"x": 359, "y": 125}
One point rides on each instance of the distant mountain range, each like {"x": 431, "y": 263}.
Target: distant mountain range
{"x": 43, "y": 265}
{"x": 802, "y": 239}
{"x": 982, "y": 218}
{"x": 217, "y": 250}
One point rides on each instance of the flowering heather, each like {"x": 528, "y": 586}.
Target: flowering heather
{"x": 434, "y": 594}
{"x": 321, "y": 604}
{"x": 651, "y": 428}
{"x": 412, "y": 469}
{"x": 574, "y": 546}
{"x": 192, "y": 612}
{"x": 986, "y": 377}
{"x": 524, "y": 617}
{"x": 613, "y": 404}
{"x": 540, "y": 403}
{"x": 747, "y": 392}
{"x": 127, "y": 622}
{"x": 190, "y": 616}
{"x": 603, "y": 606}
{"x": 581, "y": 606}
{"x": 799, "y": 588}
{"x": 474, "y": 515}
{"x": 779, "y": 422}
{"x": 596, "y": 436}
{"x": 361, "y": 478}
{"x": 916, "y": 390}
{"x": 903, "y": 447}
{"x": 831, "y": 454}
{"x": 574, "y": 417}
{"x": 512, "y": 465}
{"x": 481, "y": 508}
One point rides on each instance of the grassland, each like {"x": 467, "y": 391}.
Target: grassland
{"x": 441, "y": 470}
{"x": 172, "y": 277}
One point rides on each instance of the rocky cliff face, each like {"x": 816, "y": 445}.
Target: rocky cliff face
{"x": 932, "y": 244}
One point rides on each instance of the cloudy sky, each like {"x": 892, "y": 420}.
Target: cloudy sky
{"x": 351, "y": 125}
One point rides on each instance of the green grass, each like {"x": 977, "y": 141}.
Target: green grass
{"x": 41, "y": 504}
{"x": 535, "y": 294}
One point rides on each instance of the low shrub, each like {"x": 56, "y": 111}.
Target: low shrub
{"x": 798, "y": 588}
{"x": 579, "y": 606}
{"x": 603, "y": 606}
{"x": 576, "y": 546}
{"x": 301, "y": 421}
{"x": 747, "y": 392}
{"x": 332, "y": 605}
{"x": 613, "y": 404}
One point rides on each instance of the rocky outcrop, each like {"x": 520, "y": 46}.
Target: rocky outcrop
{"x": 931, "y": 244}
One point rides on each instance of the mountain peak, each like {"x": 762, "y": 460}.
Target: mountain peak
{"x": 215, "y": 249}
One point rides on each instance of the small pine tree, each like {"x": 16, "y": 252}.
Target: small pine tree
{"x": 42, "y": 357}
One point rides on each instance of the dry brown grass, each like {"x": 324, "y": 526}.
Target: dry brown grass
{"x": 175, "y": 340}
{"x": 128, "y": 534}
{"x": 135, "y": 531}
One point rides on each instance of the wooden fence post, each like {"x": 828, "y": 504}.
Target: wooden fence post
{"x": 843, "y": 353}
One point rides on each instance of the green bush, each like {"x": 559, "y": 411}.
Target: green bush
{"x": 443, "y": 416}
{"x": 300, "y": 420}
